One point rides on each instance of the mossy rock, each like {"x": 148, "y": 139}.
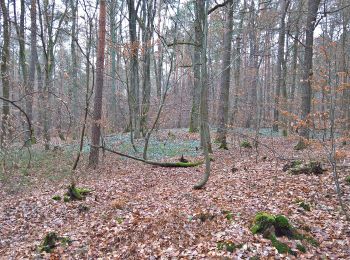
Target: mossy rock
{"x": 246, "y": 144}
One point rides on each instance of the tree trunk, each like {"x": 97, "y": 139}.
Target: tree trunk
{"x": 74, "y": 68}
{"x": 5, "y": 72}
{"x": 225, "y": 79}
{"x": 202, "y": 9}
{"x": 252, "y": 116}
{"x": 97, "y": 116}
{"x": 307, "y": 67}
{"x": 134, "y": 72}
{"x": 237, "y": 64}
{"x": 280, "y": 59}
{"x": 146, "y": 84}
{"x": 196, "y": 64}
{"x": 33, "y": 60}
{"x": 113, "y": 53}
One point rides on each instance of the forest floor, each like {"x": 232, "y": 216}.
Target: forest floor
{"x": 139, "y": 211}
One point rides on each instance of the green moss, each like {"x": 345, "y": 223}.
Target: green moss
{"x": 301, "y": 145}
{"x": 188, "y": 164}
{"x": 66, "y": 198}
{"x": 284, "y": 132}
{"x": 229, "y": 246}
{"x": 282, "y": 221}
{"x": 282, "y": 248}
{"x": 312, "y": 167}
{"x": 283, "y": 227}
{"x": 223, "y": 145}
{"x": 301, "y": 248}
{"x": 50, "y": 242}
{"x": 83, "y": 208}
{"x": 229, "y": 215}
{"x": 311, "y": 241}
{"x": 65, "y": 241}
{"x": 246, "y": 144}
{"x": 291, "y": 165}
{"x": 304, "y": 205}
{"x": 347, "y": 179}
{"x": 84, "y": 191}
{"x": 75, "y": 193}
{"x": 262, "y": 221}
{"x": 119, "y": 220}
{"x": 56, "y": 197}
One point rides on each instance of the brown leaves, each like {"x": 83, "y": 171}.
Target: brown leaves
{"x": 146, "y": 212}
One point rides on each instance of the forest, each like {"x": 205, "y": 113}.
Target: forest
{"x": 175, "y": 129}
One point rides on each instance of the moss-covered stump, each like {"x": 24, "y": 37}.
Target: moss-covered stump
{"x": 75, "y": 193}
{"x": 274, "y": 226}
{"x": 299, "y": 167}
{"x": 268, "y": 224}
{"x": 51, "y": 240}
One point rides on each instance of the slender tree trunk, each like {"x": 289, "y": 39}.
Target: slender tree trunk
{"x": 280, "y": 57}
{"x": 74, "y": 64}
{"x": 253, "y": 70}
{"x": 196, "y": 64}
{"x": 146, "y": 84}
{"x": 33, "y": 60}
{"x": 225, "y": 79}
{"x": 306, "y": 91}
{"x": 5, "y": 72}
{"x": 202, "y": 9}
{"x": 134, "y": 72}
{"x": 96, "y": 127}
{"x": 113, "y": 53}
{"x": 237, "y": 64}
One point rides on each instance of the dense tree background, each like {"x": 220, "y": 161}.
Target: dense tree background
{"x": 233, "y": 64}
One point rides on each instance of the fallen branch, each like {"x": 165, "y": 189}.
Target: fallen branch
{"x": 161, "y": 164}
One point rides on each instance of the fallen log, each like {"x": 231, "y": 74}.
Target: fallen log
{"x": 161, "y": 164}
